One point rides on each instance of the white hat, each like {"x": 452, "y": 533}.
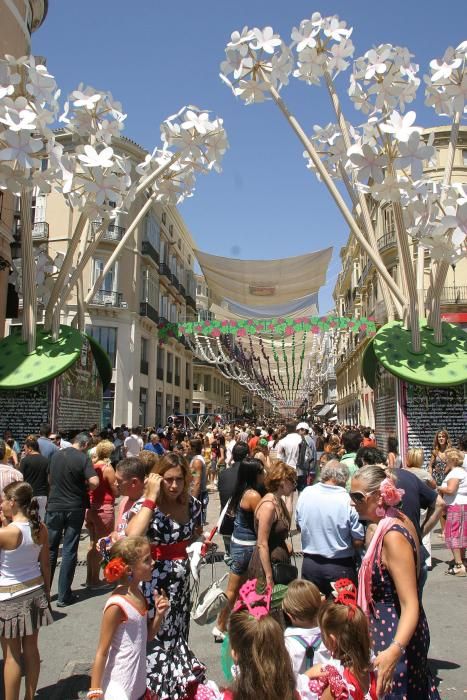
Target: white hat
{"x": 303, "y": 426}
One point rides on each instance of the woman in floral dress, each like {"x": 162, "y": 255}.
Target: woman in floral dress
{"x": 388, "y": 590}
{"x": 170, "y": 518}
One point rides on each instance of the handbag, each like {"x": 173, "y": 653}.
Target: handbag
{"x": 283, "y": 573}
{"x": 209, "y": 603}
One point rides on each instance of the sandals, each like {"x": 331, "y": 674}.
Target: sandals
{"x": 456, "y": 570}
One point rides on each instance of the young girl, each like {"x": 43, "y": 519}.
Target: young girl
{"x": 24, "y": 588}
{"x": 119, "y": 671}
{"x": 344, "y": 628}
{"x": 300, "y": 606}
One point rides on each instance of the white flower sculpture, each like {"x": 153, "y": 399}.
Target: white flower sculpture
{"x": 385, "y": 156}
{"x": 92, "y": 177}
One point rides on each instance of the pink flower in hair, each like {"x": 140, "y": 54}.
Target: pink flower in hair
{"x": 392, "y": 496}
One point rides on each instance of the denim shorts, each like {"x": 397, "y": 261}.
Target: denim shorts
{"x": 240, "y": 556}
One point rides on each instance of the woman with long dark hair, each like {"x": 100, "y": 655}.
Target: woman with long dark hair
{"x": 247, "y": 495}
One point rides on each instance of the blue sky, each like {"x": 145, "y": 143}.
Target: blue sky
{"x": 155, "y": 56}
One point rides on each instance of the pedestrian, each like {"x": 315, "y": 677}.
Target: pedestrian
{"x": 301, "y": 605}
{"x": 198, "y": 469}
{"x": 344, "y": 628}
{"x": 8, "y": 473}
{"x": 351, "y": 441}
{"x": 35, "y": 470}
{"x": 171, "y": 519}
{"x": 129, "y": 478}
{"x": 154, "y": 445}
{"x": 71, "y": 475}
{"x": 288, "y": 452}
{"x": 330, "y": 530}
{"x": 242, "y": 506}
{"x": 454, "y": 491}
{"x": 24, "y": 588}
{"x": 388, "y": 590}
{"x": 226, "y": 487}
{"x": 100, "y": 516}
{"x": 46, "y": 446}
{"x": 133, "y": 443}
{"x": 119, "y": 669}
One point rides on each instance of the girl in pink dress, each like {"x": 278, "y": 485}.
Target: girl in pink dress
{"x": 119, "y": 671}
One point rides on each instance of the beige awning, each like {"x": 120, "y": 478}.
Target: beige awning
{"x": 264, "y": 282}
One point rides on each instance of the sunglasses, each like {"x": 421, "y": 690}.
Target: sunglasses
{"x": 358, "y": 496}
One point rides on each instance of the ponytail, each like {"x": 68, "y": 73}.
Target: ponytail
{"x": 22, "y": 492}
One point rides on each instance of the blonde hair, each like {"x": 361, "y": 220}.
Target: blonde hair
{"x": 277, "y": 473}
{"x": 454, "y": 455}
{"x": 302, "y": 601}
{"x": 415, "y": 458}
{"x": 104, "y": 449}
{"x": 265, "y": 666}
{"x": 129, "y": 549}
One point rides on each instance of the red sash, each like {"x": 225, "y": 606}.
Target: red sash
{"x": 169, "y": 552}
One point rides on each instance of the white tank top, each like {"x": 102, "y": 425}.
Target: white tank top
{"x": 20, "y": 564}
{"x": 125, "y": 668}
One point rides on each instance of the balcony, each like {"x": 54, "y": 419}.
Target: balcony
{"x": 175, "y": 282}
{"x": 40, "y": 231}
{"x": 454, "y": 295}
{"x": 144, "y": 367}
{"x": 104, "y": 298}
{"x": 182, "y": 290}
{"x": 165, "y": 270}
{"x": 387, "y": 240}
{"x": 113, "y": 232}
{"x": 148, "y": 249}
{"x": 146, "y": 309}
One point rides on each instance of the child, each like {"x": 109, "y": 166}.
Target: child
{"x": 263, "y": 666}
{"x": 344, "y": 628}
{"x": 300, "y": 606}
{"x": 119, "y": 671}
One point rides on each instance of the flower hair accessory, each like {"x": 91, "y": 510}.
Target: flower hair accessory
{"x": 249, "y": 598}
{"x": 390, "y": 495}
{"x": 115, "y": 569}
{"x": 345, "y": 593}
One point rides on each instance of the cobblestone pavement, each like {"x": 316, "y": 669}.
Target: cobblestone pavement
{"x": 67, "y": 647}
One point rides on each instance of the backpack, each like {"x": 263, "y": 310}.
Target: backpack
{"x": 305, "y": 456}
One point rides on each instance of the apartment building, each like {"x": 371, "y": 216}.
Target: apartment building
{"x": 358, "y": 293}
{"x": 18, "y": 20}
{"x": 151, "y": 283}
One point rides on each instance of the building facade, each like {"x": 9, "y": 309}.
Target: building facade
{"x": 358, "y": 293}
{"x": 151, "y": 283}
{"x": 18, "y": 20}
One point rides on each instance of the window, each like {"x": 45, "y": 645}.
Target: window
{"x": 108, "y": 283}
{"x": 464, "y": 156}
{"x": 170, "y": 367}
{"x": 198, "y": 289}
{"x": 38, "y": 208}
{"x": 187, "y": 375}
{"x": 144, "y": 365}
{"x": 160, "y": 363}
{"x": 152, "y": 232}
{"x": 177, "y": 371}
{"x": 158, "y": 408}
{"x": 149, "y": 288}
{"x": 207, "y": 382}
{"x": 388, "y": 219}
{"x": 176, "y": 404}
{"x": 143, "y": 402}
{"x": 195, "y": 381}
{"x": 107, "y": 338}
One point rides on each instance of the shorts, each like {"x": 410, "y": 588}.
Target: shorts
{"x": 240, "y": 556}
{"x": 100, "y": 521}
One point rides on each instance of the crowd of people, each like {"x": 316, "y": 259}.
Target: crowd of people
{"x": 351, "y": 625}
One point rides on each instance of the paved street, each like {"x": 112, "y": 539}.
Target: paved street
{"x": 67, "y": 647}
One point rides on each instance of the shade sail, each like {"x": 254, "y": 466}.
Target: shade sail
{"x": 264, "y": 283}
{"x": 326, "y": 410}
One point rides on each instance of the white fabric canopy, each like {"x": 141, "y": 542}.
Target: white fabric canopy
{"x": 264, "y": 282}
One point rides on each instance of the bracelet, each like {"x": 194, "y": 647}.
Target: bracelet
{"x": 398, "y": 644}
{"x": 94, "y": 693}
{"x": 148, "y": 503}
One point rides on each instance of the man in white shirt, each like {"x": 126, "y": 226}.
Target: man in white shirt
{"x": 133, "y": 443}
{"x": 287, "y": 451}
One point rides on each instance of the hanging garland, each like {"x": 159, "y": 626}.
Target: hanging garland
{"x": 278, "y": 326}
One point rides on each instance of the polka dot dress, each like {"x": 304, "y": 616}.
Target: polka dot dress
{"x": 412, "y": 677}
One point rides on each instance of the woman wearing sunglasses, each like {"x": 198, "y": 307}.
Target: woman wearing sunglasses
{"x": 388, "y": 589}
